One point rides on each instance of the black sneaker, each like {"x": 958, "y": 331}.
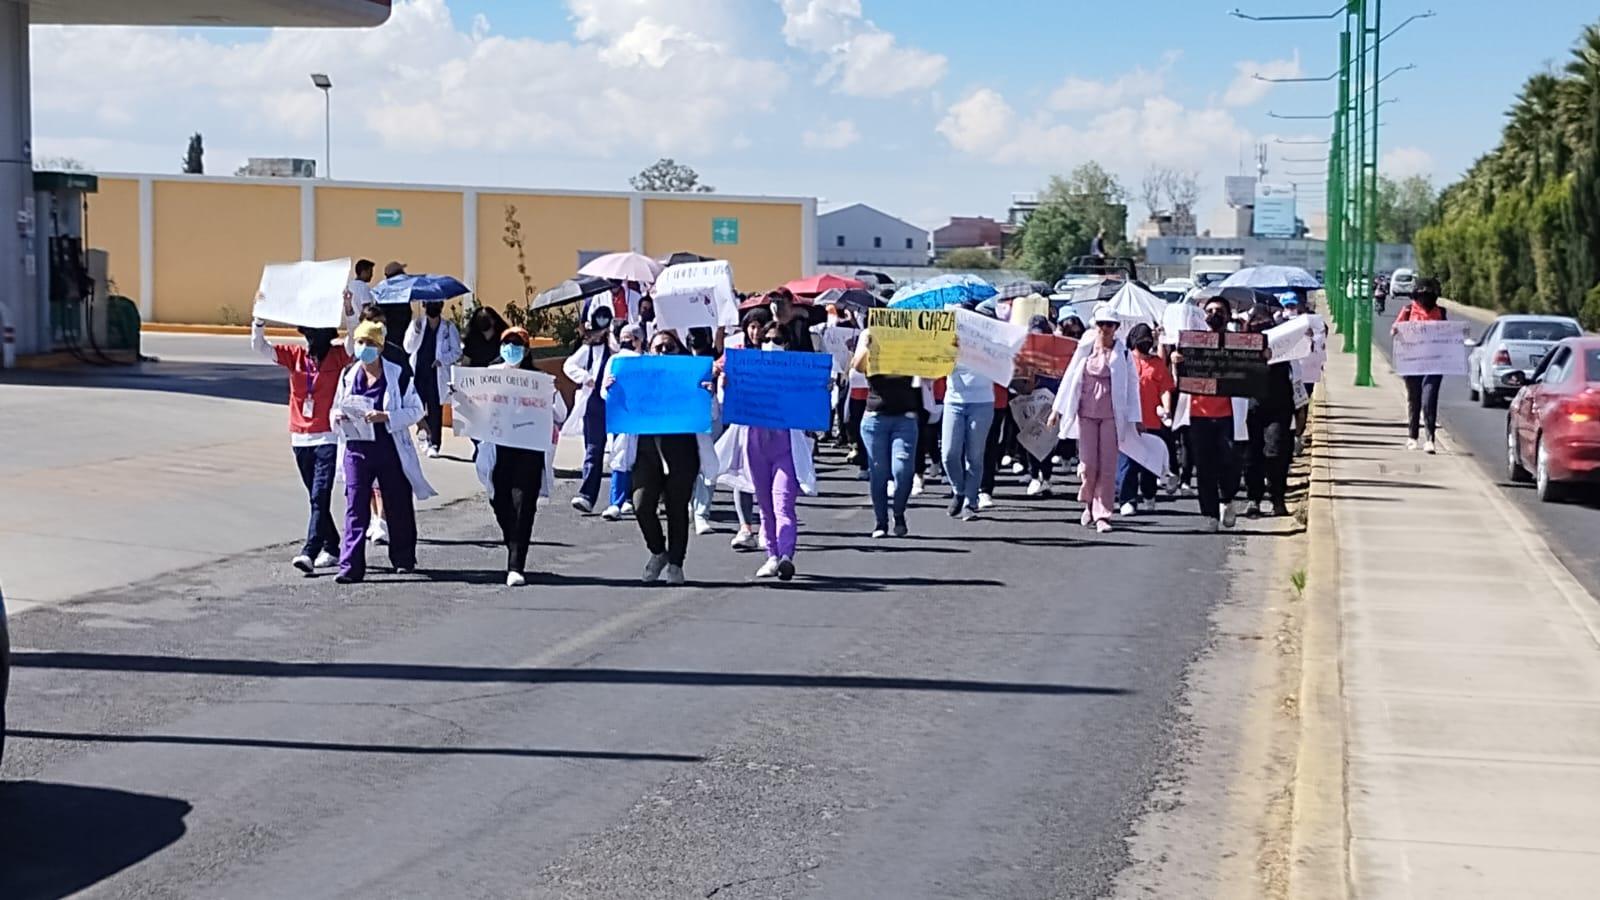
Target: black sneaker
{"x": 343, "y": 578}
{"x": 785, "y": 569}
{"x": 955, "y": 506}
{"x": 1280, "y": 510}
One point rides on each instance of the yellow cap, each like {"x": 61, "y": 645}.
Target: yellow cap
{"x": 371, "y": 332}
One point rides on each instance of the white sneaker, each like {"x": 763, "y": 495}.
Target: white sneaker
{"x": 1429, "y": 447}
{"x": 769, "y": 569}
{"x": 1018, "y": 468}
{"x": 1034, "y": 487}
{"x": 1411, "y": 443}
{"x": 744, "y": 540}
{"x": 653, "y": 568}
{"x": 1057, "y": 461}
{"x": 611, "y": 513}
{"x": 1081, "y": 469}
{"x": 433, "y": 452}
{"x": 1213, "y": 526}
{"x": 303, "y": 563}
{"x": 1253, "y": 510}
{"x": 378, "y": 533}
{"x": 702, "y": 525}
{"x": 1005, "y": 461}
{"x": 515, "y": 579}
{"x": 916, "y": 485}
{"x": 1130, "y": 509}
{"x": 985, "y": 501}
{"x": 1230, "y": 514}
{"x": 583, "y": 504}
{"x": 673, "y": 575}
{"x": 326, "y": 560}
{"x": 627, "y": 508}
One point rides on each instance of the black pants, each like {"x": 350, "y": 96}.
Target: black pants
{"x": 858, "y": 451}
{"x": 665, "y": 469}
{"x": 1422, "y": 402}
{"x": 1038, "y": 468}
{"x": 991, "y": 453}
{"x": 433, "y": 407}
{"x": 928, "y": 435}
{"x": 1216, "y": 462}
{"x": 518, "y": 474}
{"x": 1266, "y": 471}
{"x": 317, "y": 467}
{"x": 1183, "y": 441}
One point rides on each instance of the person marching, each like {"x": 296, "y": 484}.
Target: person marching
{"x": 517, "y": 477}
{"x": 889, "y": 433}
{"x": 1271, "y": 433}
{"x": 630, "y": 341}
{"x": 775, "y": 465}
{"x": 1156, "y": 390}
{"x": 395, "y": 354}
{"x": 480, "y": 346}
{"x": 1422, "y": 391}
{"x": 1216, "y": 426}
{"x": 587, "y": 368}
{"x": 754, "y": 329}
{"x": 313, "y": 381}
{"x": 434, "y": 345}
{"x": 388, "y": 460}
{"x": 968, "y": 415}
{"x": 1041, "y": 469}
{"x": 1099, "y": 405}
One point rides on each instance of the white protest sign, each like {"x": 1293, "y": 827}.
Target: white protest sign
{"x": 1430, "y": 348}
{"x": 988, "y": 346}
{"x": 1032, "y": 415}
{"x": 309, "y": 294}
{"x": 1292, "y": 340}
{"x": 509, "y": 407}
{"x": 696, "y": 295}
{"x": 1311, "y": 367}
{"x": 1180, "y": 317}
{"x": 352, "y": 421}
{"x": 1148, "y": 451}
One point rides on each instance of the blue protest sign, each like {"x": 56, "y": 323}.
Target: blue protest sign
{"x": 777, "y": 389}
{"x": 659, "y": 395}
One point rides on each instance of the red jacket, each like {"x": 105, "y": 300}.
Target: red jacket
{"x": 1416, "y": 312}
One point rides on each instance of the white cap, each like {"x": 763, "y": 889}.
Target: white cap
{"x": 1103, "y": 313}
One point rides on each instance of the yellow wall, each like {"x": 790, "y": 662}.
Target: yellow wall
{"x": 114, "y": 227}
{"x": 554, "y": 230}
{"x": 428, "y": 240}
{"x": 211, "y": 240}
{"x": 768, "y": 252}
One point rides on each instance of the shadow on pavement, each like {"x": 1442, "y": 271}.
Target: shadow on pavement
{"x": 329, "y": 747}
{"x": 58, "y": 839}
{"x": 250, "y": 668}
{"x": 257, "y": 384}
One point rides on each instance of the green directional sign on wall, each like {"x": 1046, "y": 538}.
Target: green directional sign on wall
{"x": 389, "y": 218}
{"x": 724, "y": 231}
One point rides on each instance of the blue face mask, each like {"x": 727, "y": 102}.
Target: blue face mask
{"x": 512, "y": 353}
{"x": 368, "y": 353}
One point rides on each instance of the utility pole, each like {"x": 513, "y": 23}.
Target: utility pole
{"x": 1369, "y": 175}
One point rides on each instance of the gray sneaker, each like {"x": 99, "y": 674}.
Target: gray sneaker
{"x": 653, "y": 568}
{"x": 673, "y": 575}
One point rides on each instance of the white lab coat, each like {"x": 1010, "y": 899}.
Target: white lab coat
{"x": 1149, "y": 451}
{"x": 446, "y": 349}
{"x": 586, "y": 368}
{"x": 405, "y": 410}
{"x": 733, "y": 459}
{"x": 487, "y": 452}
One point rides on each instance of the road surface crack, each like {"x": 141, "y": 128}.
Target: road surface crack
{"x": 744, "y": 881}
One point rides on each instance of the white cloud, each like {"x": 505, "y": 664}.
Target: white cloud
{"x": 1076, "y": 93}
{"x": 626, "y": 77}
{"x": 1247, "y": 90}
{"x": 832, "y": 136}
{"x": 863, "y": 59}
{"x": 1403, "y": 162}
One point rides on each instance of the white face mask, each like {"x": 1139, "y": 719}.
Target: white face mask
{"x": 770, "y": 346}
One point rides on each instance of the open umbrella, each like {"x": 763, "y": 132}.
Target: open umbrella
{"x": 1241, "y": 299}
{"x": 1272, "y": 278}
{"x": 570, "y": 291}
{"x": 816, "y": 284}
{"x": 683, "y": 256}
{"x": 634, "y": 267}
{"x": 945, "y": 290}
{"x": 418, "y": 289}
{"x": 1132, "y": 304}
{"x": 854, "y": 299}
{"x": 874, "y": 279}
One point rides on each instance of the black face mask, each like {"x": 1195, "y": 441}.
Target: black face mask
{"x": 1217, "y": 321}
{"x": 433, "y": 310}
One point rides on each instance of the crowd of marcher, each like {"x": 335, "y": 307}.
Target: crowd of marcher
{"x": 353, "y": 405}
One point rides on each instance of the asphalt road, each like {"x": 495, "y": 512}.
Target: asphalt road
{"x": 1570, "y": 528}
{"x": 979, "y": 710}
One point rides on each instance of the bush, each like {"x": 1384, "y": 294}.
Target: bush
{"x": 969, "y": 258}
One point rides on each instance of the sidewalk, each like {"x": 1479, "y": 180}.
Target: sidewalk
{"x": 1471, "y": 670}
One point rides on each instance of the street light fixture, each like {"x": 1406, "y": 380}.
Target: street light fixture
{"x": 325, "y": 84}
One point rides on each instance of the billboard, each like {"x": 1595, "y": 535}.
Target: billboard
{"x": 1275, "y": 211}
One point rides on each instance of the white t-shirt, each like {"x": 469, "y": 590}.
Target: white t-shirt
{"x": 360, "y": 294}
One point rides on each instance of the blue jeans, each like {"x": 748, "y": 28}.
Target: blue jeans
{"x": 891, "y": 448}
{"x": 594, "y": 447}
{"x": 965, "y": 434}
{"x": 1135, "y": 482}
{"x": 621, "y": 487}
{"x": 317, "y": 466}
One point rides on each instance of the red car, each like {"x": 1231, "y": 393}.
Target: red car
{"x": 1553, "y": 429}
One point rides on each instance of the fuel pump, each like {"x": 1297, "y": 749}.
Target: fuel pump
{"x": 72, "y": 280}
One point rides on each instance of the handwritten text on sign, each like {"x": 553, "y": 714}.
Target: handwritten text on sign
{"x": 509, "y": 407}
{"x": 918, "y": 342}
{"x": 696, "y": 295}
{"x": 659, "y": 395}
{"x": 988, "y": 346}
{"x": 777, "y": 389}
{"x": 1032, "y": 415}
{"x": 1045, "y": 356}
{"x": 1222, "y": 365}
{"x": 1430, "y": 348}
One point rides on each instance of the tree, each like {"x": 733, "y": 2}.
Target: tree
{"x": 969, "y": 258}
{"x": 59, "y": 164}
{"x": 194, "y": 162}
{"x": 1071, "y": 210}
{"x": 1404, "y": 207}
{"x": 667, "y": 175}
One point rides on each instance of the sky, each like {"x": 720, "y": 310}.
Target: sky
{"x": 922, "y": 110}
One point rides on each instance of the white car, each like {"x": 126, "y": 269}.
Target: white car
{"x": 1403, "y": 283}
{"x": 1515, "y": 343}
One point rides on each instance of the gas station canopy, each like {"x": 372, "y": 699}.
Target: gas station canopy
{"x": 211, "y": 13}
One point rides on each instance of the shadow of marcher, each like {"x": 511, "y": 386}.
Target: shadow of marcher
{"x": 58, "y": 839}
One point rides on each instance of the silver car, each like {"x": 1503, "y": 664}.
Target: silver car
{"x": 1512, "y": 344}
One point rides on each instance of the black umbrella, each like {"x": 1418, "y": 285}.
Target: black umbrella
{"x": 869, "y": 275}
{"x": 854, "y": 299}
{"x": 571, "y": 291}
{"x": 683, "y": 256}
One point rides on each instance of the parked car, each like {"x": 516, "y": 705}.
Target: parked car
{"x": 1513, "y": 343}
{"x": 1553, "y": 429}
{"x": 5, "y": 672}
{"x": 1403, "y": 283}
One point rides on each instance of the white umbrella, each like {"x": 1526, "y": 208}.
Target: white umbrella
{"x": 1133, "y": 304}
{"x": 634, "y": 267}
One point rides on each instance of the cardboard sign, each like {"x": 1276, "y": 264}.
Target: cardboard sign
{"x": 659, "y": 395}
{"x": 1032, "y": 414}
{"x": 988, "y": 346}
{"x": 777, "y": 389}
{"x": 1292, "y": 340}
{"x": 1430, "y": 348}
{"x": 1228, "y": 364}
{"x": 1025, "y": 308}
{"x": 509, "y": 407}
{"x": 682, "y": 311}
{"x": 685, "y": 294}
{"x": 915, "y": 342}
{"x": 309, "y": 294}
{"x": 1045, "y": 355}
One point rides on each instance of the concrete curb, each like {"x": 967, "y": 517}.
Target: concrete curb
{"x": 1320, "y": 836}
{"x": 238, "y": 330}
